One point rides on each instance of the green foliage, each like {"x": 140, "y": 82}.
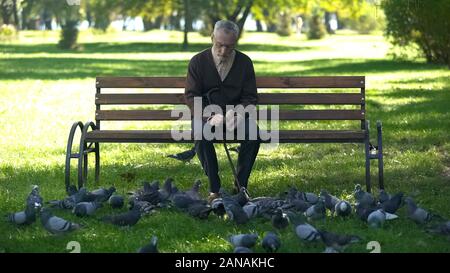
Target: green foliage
{"x": 7, "y": 32}
{"x": 422, "y": 22}
{"x": 316, "y": 28}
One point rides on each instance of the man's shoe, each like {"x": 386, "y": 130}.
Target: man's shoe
{"x": 212, "y": 196}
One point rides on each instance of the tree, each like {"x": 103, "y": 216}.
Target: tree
{"x": 424, "y": 23}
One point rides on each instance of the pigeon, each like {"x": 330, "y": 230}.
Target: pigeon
{"x": 383, "y": 196}
{"x": 280, "y": 219}
{"x": 218, "y": 207}
{"x": 364, "y": 212}
{"x": 251, "y": 209}
{"x": 185, "y": 156}
{"x": 317, "y": 211}
{"x": 300, "y": 204}
{"x": 166, "y": 191}
{"x": 245, "y": 240}
{"x": 194, "y": 191}
{"x": 307, "y": 232}
{"x": 330, "y": 250}
{"x": 183, "y": 201}
{"x": 393, "y": 204}
{"x": 343, "y": 208}
{"x": 143, "y": 206}
{"x": 337, "y": 241}
{"x": 442, "y": 228}
{"x": 35, "y": 198}
{"x": 26, "y": 217}
{"x": 70, "y": 201}
{"x": 116, "y": 201}
{"x": 152, "y": 247}
{"x": 241, "y": 249}
{"x": 242, "y": 197}
{"x": 129, "y": 218}
{"x": 100, "y": 195}
{"x": 377, "y": 218}
{"x": 271, "y": 243}
{"x": 86, "y": 208}
{"x": 415, "y": 213}
{"x": 330, "y": 200}
{"x": 309, "y": 197}
{"x": 56, "y": 225}
{"x": 233, "y": 209}
{"x": 199, "y": 210}
{"x": 363, "y": 198}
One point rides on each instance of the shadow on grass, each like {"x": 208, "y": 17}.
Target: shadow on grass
{"x": 137, "y": 47}
{"x": 70, "y": 68}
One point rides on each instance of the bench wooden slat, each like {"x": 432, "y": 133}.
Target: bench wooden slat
{"x": 164, "y": 136}
{"x": 264, "y": 98}
{"x": 261, "y": 82}
{"x": 283, "y": 115}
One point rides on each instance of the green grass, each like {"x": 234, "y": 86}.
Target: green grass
{"x": 45, "y": 89}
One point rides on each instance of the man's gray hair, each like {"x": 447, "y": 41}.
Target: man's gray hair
{"x": 228, "y": 26}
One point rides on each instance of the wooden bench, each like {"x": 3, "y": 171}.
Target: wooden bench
{"x": 92, "y": 134}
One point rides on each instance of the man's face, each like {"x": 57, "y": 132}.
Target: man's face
{"x": 223, "y": 44}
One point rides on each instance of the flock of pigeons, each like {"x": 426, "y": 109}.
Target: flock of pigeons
{"x": 293, "y": 207}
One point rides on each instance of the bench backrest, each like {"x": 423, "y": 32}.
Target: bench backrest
{"x": 341, "y": 82}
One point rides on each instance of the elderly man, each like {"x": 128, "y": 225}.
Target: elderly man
{"x": 229, "y": 72}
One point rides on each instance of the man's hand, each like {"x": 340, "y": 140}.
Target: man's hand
{"x": 233, "y": 119}
{"x": 216, "y": 120}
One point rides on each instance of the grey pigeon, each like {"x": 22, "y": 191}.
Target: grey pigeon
{"x": 442, "y": 228}
{"x": 233, "y": 209}
{"x": 70, "y": 201}
{"x": 194, "y": 191}
{"x": 56, "y": 225}
{"x": 199, "y": 210}
{"x": 25, "y": 217}
{"x": 143, "y": 206}
{"x": 116, "y": 201}
{"x": 35, "y": 198}
{"x": 383, "y": 196}
{"x": 377, "y": 218}
{"x": 183, "y": 201}
{"x": 317, "y": 211}
{"x": 363, "y": 198}
{"x": 242, "y": 197}
{"x": 393, "y": 204}
{"x": 241, "y": 249}
{"x": 337, "y": 241}
{"x": 129, "y": 218}
{"x": 415, "y": 213}
{"x": 86, "y": 208}
{"x": 280, "y": 219}
{"x": 343, "y": 208}
{"x": 251, "y": 209}
{"x": 364, "y": 212}
{"x": 100, "y": 195}
{"x": 330, "y": 250}
{"x": 271, "y": 243}
{"x": 218, "y": 207}
{"x": 307, "y": 232}
{"x": 166, "y": 191}
{"x": 184, "y": 156}
{"x": 330, "y": 200}
{"x": 245, "y": 240}
{"x": 300, "y": 204}
{"x": 309, "y": 197}
{"x": 152, "y": 247}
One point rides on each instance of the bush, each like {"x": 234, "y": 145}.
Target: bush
{"x": 7, "y": 32}
{"x": 69, "y": 35}
{"x": 316, "y": 28}
{"x": 424, "y": 23}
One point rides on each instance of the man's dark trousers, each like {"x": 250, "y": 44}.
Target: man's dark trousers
{"x": 247, "y": 155}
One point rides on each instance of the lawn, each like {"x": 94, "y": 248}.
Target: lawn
{"x": 44, "y": 90}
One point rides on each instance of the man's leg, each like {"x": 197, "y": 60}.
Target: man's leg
{"x": 247, "y": 155}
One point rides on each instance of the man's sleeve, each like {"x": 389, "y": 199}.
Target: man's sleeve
{"x": 193, "y": 85}
{"x": 249, "y": 92}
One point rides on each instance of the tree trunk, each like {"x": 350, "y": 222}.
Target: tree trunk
{"x": 6, "y": 13}
{"x": 327, "y": 23}
{"x": 259, "y": 27}
{"x": 242, "y": 20}
{"x": 16, "y": 16}
{"x": 187, "y": 22}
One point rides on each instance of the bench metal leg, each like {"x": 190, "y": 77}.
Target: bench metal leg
{"x": 367, "y": 153}
{"x": 97, "y": 161}
{"x": 84, "y": 151}
{"x": 69, "y": 154}
{"x": 380, "y": 155}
